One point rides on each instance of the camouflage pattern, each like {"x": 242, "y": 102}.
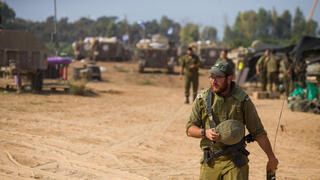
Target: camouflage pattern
{"x": 191, "y": 75}
{"x": 272, "y": 67}
{"x": 286, "y": 67}
{"x": 223, "y": 170}
{"x": 230, "y": 62}
{"x": 238, "y": 106}
{"x": 230, "y": 131}
{"x": 263, "y": 73}
{"x": 300, "y": 71}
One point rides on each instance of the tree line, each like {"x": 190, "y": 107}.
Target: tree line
{"x": 264, "y": 25}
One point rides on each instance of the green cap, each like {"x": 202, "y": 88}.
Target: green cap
{"x": 221, "y": 68}
{"x": 230, "y": 131}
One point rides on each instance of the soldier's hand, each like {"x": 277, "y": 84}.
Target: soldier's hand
{"x": 181, "y": 77}
{"x": 191, "y": 66}
{"x": 272, "y": 164}
{"x": 213, "y": 136}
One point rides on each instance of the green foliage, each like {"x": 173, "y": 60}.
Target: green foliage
{"x": 189, "y": 33}
{"x": 268, "y": 27}
{"x": 6, "y": 14}
{"x": 209, "y": 33}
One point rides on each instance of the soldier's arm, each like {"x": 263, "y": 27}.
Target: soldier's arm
{"x": 265, "y": 145}
{"x": 252, "y": 120}
{"x": 256, "y": 129}
{"x": 193, "y": 127}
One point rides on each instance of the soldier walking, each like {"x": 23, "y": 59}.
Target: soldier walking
{"x": 224, "y": 157}
{"x": 287, "y": 69}
{"x": 261, "y": 70}
{"x": 190, "y": 62}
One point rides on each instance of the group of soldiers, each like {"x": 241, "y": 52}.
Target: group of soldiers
{"x": 268, "y": 69}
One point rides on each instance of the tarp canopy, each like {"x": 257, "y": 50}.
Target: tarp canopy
{"x": 58, "y": 60}
{"x": 280, "y": 50}
{"x": 305, "y": 46}
{"x": 11, "y": 39}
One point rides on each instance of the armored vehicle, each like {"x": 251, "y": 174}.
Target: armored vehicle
{"x": 101, "y": 49}
{"x": 22, "y": 54}
{"x": 207, "y": 51}
{"x": 156, "y": 53}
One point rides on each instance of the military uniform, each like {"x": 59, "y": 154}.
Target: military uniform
{"x": 286, "y": 67}
{"x": 272, "y": 67}
{"x": 300, "y": 70}
{"x": 191, "y": 75}
{"x": 263, "y": 73}
{"x": 231, "y": 64}
{"x": 237, "y": 106}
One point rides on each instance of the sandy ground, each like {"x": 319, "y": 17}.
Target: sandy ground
{"x": 134, "y": 128}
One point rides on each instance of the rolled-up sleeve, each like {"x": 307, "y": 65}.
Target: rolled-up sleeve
{"x": 252, "y": 120}
{"x": 195, "y": 116}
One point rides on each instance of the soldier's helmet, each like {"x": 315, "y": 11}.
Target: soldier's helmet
{"x": 230, "y": 131}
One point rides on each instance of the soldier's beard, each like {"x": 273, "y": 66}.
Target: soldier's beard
{"x": 219, "y": 88}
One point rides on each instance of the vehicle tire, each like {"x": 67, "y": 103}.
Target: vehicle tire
{"x": 141, "y": 69}
{"x": 170, "y": 69}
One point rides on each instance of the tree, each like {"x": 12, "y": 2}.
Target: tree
{"x": 189, "y": 33}
{"x": 246, "y": 25}
{"x": 299, "y": 23}
{"x": 209, "y": 33}
{"x": 264, "y": 22}
{"x": 310, "y": 28}
{"x": 6, "y": 14}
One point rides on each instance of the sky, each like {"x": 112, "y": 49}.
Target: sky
{"x": 215, "y": 13}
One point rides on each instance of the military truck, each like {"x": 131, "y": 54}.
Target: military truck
{"x": 156, "y": 53}
{"x": 22, "y": 54}
{"x": 207, "y": 51}
{"x": 100, "y": 49}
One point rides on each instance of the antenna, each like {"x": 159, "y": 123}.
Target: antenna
{"x": 312, "y": 9}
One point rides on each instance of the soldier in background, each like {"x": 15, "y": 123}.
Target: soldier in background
{"x": 287, "y": 69}
{"x": 272, "y": 66}
{"x": 190, "y": 62}
{"x": 261, "y": 69}
{"x": 224, "y": 57}
{"x": 300, "y": 70}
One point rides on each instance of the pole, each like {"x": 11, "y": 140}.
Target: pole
{"x": 55, "y": 28}
{"x": 312, "y": 9}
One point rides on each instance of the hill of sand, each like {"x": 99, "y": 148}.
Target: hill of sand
{"x": 134, "y": 129}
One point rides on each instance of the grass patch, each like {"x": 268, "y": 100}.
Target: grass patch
{"x": 79, "y": 88}
{"x": 146, "y": 82}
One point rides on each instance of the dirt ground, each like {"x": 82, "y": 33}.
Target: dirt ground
{"x": 134, "y": 129}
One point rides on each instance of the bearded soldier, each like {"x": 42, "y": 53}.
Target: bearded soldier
{"x": 219, "y": 116}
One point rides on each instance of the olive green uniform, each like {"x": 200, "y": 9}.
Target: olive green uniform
{"x": 286, "y": 67}
{"x": 263, "y": 73}
{"x": 300, "y": 70}
{"x": 237, "y": 106}
{"x": 231, "y": 64}
{"x": 272, "y": 66}
{"x": 191, "y": 75}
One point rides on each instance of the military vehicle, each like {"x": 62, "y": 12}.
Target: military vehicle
{"x": 100, "y": 49}
{"x": 22, "y": 54}
{"x": 207, "y": 51}
{"x": 89, "y": 71}
{"x": 313, "y": 69}
{"x": 156, "y": 53}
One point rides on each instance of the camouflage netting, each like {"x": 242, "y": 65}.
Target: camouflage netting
{"x": 300, "y": 104}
